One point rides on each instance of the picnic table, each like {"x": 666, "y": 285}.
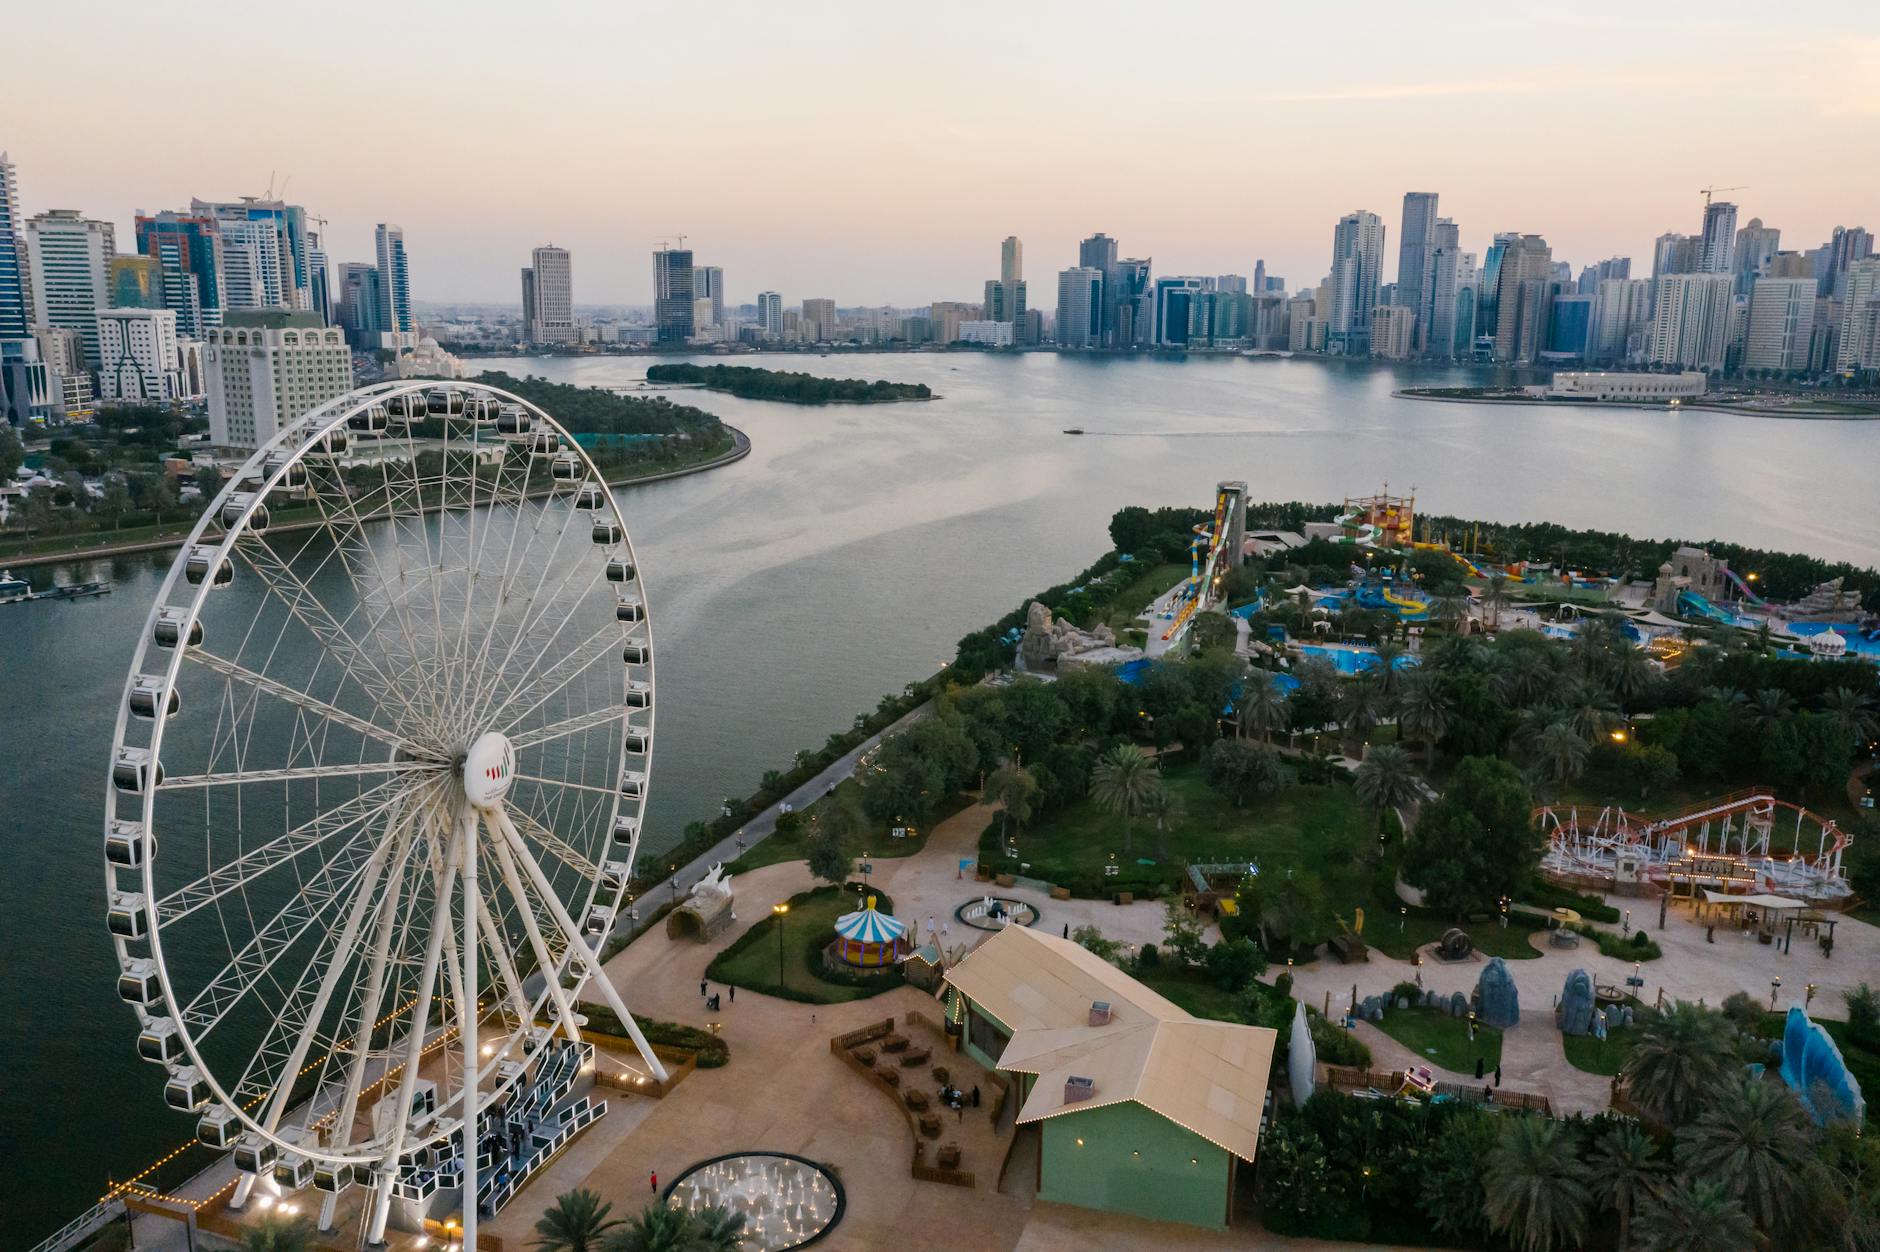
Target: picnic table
{"x": 865, "y": 1055}
{"x": 949, "y": 1155}
{"x": 916, "y": 1100}
{"x": 890, "y": 1076}
{"x": 930, "y": 1125}
{"x": 916, "y": 1056}
{"x": 894, "y": 1043}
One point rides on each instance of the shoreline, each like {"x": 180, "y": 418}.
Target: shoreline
{"x": 1741, "y": 411}
{"x": 740, "y": 448}
{"x": 806, "y": 404}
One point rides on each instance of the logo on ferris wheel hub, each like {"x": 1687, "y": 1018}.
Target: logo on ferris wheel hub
{"x": 488, "y": 769}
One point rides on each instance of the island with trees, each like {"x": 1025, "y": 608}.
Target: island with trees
{"x": 749, "y": 383}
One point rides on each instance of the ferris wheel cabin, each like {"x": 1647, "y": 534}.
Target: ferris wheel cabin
{"x": 205, "y": 564}
{"x": 126, "y": 844}
{"x": 171, "y": 626}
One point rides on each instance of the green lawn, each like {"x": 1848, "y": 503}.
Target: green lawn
{"x": 1193, "y": 990}
{"x": 1442, "y": 1039}
{"x": 1141, "y": 591}
{"x": 1398, "y": 933}
{"x": 790, "y": 846}
{"x": 1600, "y": 1056}
{"x": 752, "y": 961}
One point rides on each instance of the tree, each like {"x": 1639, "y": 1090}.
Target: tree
{"x": 1181, "y": 931}
{"x": 1625, "y": 1162}
{"x": 1240, "y": 769}
{"x": 1091, "y": 939}
{"x": 1423, "y": 713}
{"x": 1852, "y": 712}
{"x": 1693, "y": 1215}
{"x": 828, "y": 856}
{"x": 1768, "y": 708}
{"x": 1386, "y": 780}
{"x": 116, "y": 501}
{"x": 1536, "y": 1186}
{"x": 1452, "y": 1195}
{"x": 1233, "y": 963}
{"x": 1494, "y": 597}
{"x": 1360, "y": 709}
{"x": 1478, "y": 841}
{"x": 661, "y": 1228}
{"x": 269, "y": 1233}
{"x": 1015, "y": 790}
{"x": 1679, "y": 1057}
{"x": 1562, "y": 753}
{"x": 575, "y": 1222}
{"x": 1123, "y": 777}
{"x": 12, "y": 452}
{"x": 1756, "y": 1137}
{"x": 1385, "y": 669}
{"x": 1262, "y": 707}
{"x": 1164, "y": 809}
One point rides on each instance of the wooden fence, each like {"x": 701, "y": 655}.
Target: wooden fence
{"x": 843, "y": 1045}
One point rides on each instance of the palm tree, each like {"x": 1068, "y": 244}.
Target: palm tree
{"x": 1764, "y": 635}
{"x": 660, "y": 1228}
{"x": 1853, "y": 712}
{"x": 575, "y": 1222}
{"x": 1015, "y": 790}
{"x": 1768, "y": 707}
{"x": 1423, "y": 713}
{"x": 278, "y": 1234}
{"x": 1693, "y": 1215}
{"x": 1385, "y": 668}
{"x": 1562, "y": 753}
{"x": 1386, "y": 780}
{"x": 1122, "y": 778}
{"x": 1624, "y": 1165}
{"x": 1360, "y": 708}
{"x": 1262, "y": 707}
{"x": 1164, "y": 808}
{"x": 1536, "y": 1186}
{"x": 1680, "y": 1056}
{"x": 1590, "y": 711}
{"x": 1527, "y": 677}
{"x": 1450, "y": 610}
{"x": 1760, "y": 1142}
{"x": 1454, "y": 655}
{"x": 1631, "y": 672}
{"x": 1494, "y": 596}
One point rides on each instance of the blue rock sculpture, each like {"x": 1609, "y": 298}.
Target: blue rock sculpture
{"x": 1496, "y": 997}
{"x": 1813, "y": 1067}
{"x": 1575, "y": 1013}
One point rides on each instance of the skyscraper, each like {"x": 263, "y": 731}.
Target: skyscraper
{"x": 1080, "y": 307}
{"x": 1357, "y": 256}
{"x": 1673, "y": 253}
{"x": 1413, "y": 247}
{"x": 1099, "y": 253}
{"x": 359, "y": 304}
{"x": 708, "y": 283}
{"x": 1523, "y": 286}
{"x": 1718, "y": 246}
{"x": 1011, "y": 260}
{"x": 1487, "y": 290}
{"x": 1131, "y": 300}
{"x": 1622, "y": 319}
{"x": 394, "y": 279}
{"x": 188, "y": 251}
{"x": 266, "y": 368}
{"x": 1756, "y": 246}
{"x": 819, "y": 320}
{"x": 1692, "y": 323}
{"x": 548, "y": 292}
{"x": 134, "y": 282}
{"x": 1451, "y": 286}
{"x": 70, "y": 260}
{"x": 1860, "y": 288}
{"x": 1179, "y": 307}
{"x": 138, "y": 361}
{"x": 1005, "y": 295}
{"x": 1781, "y": 315}
{"x": 267, "y": 252}
{"x": 1849, "y": 244}
{"x": 770, "y": 313}
{"x": 673, "y": 294}
{"x": 15, "y": 315}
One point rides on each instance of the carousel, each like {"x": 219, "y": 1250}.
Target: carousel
{"x": 869, "y": 938}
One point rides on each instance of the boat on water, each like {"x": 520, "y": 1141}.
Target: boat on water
{"x": 15, "y": 590}
{"x": 1073, "y": 430}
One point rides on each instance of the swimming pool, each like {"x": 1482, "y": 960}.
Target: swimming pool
{"x": 1857, "y": 644}
{"x": 1351, "y": 659}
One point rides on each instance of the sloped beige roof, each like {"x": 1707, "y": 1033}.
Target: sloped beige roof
{"x": 1208, "y": 1077}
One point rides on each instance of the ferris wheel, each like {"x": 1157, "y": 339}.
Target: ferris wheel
{"x": 377, "y": 786}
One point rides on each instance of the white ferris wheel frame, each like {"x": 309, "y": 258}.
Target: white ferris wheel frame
{"x": 272, "y": 465}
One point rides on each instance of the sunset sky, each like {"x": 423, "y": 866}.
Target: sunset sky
{"x": 877, "y": 154}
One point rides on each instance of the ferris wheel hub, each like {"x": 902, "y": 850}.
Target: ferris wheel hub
{"x": 488, "y": 769}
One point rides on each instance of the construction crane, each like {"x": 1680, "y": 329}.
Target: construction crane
{"x": 666, "y": 241}
{"x": 1707, "y": 192}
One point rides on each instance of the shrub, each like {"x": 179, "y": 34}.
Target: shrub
{"x": 1336, "y": 1045}
{"x": 1741, "y": 1009}
{"x": 1148, "y": 957}
{"x": 1234, "y": 963}
{"x": 712, "y": 1050}
{"x": 1406, "y": 991}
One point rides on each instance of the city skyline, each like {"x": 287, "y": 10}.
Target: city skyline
{"x": 837, "y": 192}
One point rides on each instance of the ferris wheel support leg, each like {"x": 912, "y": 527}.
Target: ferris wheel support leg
{"x": 244, "y": 1183}
{"x": 328, "y": 1208}
{"x": 467, "y": 1015}
{"x": 576, "y": 944}
{"x": 564, "y": 1010}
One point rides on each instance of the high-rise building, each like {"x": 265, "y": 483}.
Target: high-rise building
{"x": 27, "y": 386}
{"x": 1080, "y": 307}
{"x": 188, "y": 250}
{"x": 1692, "y": 322}
{"x": 359, "y": 304}
{"x": 1756, "y": 246}
{"x": 1011, "y": 260}
{"x": 1717, "y": 247}
{"x": 1414, "y": 242}
{"x": 265, "y": 368}
{"x": 1622, "y": 319}
{"x": 1098, "y": 252}
{"x": 267, "y": 252}
{"x": 1569, "y": 327}
{"x": 1393, "y": 329}
{"x": 770, "y": 313}
{"x": 394, "y": 280}
{"x": 819, "y": 320}
{"x": 1129, "y": 318}
{"x": 135, "y": 282}
{"x": 548, "y": 296}
{"x": 1849, "y": 244}
{"x": 947, "y": 316}
{"x": 138, "y": 361}
{"x": 1487, "y": 315}
{"x": 1781, "y": 316}
{"x": 1523, "y": 290}
{"x": 16, "y": 317}
{"x": 1860, "y": 289}
{"x": 673, "y": 294}
{"x": 1673, "y": 253}
{"x": 1231, "y": 283}
{"x": 1005, "y": 295}
{"x": 71, "y": 260}
{"x": 1177, "y": 310}
{"x": 1357, "y": 258}
{"x": 1450, "y": 288}
{"x": 708, "y": 283}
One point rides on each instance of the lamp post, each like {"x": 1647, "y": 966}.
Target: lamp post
{"x": 1403, "y": 915}
{"x": 1775, "y": 985}
{"x": 778, "y": 910}
{"x": 1808, "y": 995}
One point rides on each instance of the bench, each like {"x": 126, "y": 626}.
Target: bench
{"x": 1060, "y": 893}
{"x": 949, "y": 1156}
{"x": 930, "y": 1125}
{"x": 916, "y": 1057}
{"x": 916, "y": 1100}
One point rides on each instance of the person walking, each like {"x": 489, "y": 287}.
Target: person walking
{"x": 652, "y": 1181}
{"x": 1067, "y": 930}
{"x": 734, "y": 993}
{"x": 975, "y": 1095}
{"x": 701, "y": 989}
{"x": 1498, "y": 1075}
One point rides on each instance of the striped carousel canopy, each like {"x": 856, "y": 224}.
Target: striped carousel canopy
{"x": 869, "y": 925}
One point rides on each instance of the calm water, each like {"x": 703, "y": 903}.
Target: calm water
{"x": 844, "y": 557}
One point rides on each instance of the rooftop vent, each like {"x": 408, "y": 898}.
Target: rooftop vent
{"x": 1076, "y": 1089}
{"x": 1099, "y": 1012}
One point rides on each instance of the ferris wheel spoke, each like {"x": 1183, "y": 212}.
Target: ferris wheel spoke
{"x": 250, "y": 866}
{"x": 548, "y": 961}
{"x": 593, "y": 720}
{"x": 582, "y": 655}
{"x": 564, "y": 851}
{"x": 299, "y": 773}
{"x": 293, "y": 695}
{"x": 562, "y": 784}
{"x": 500, "y": 708}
